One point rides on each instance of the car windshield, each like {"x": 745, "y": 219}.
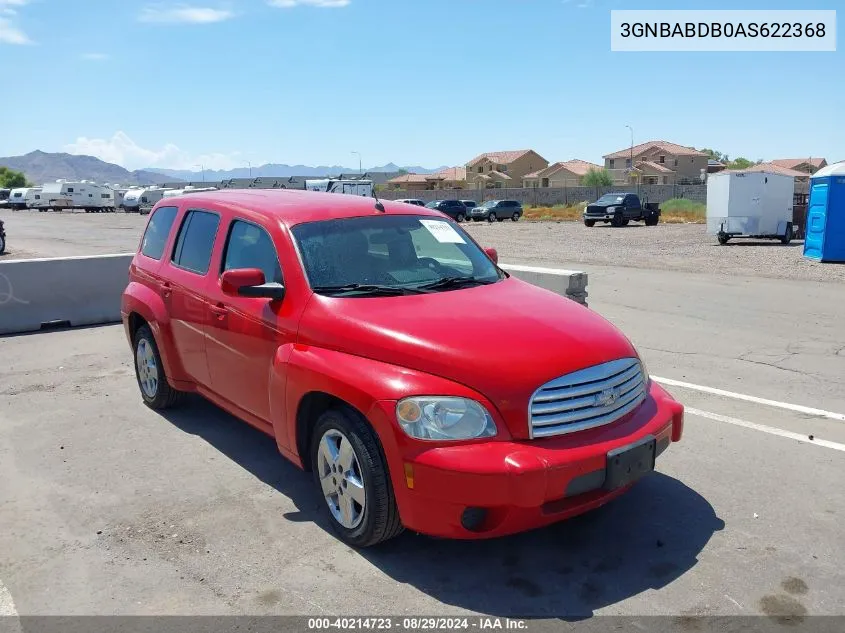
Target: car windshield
{"x": 394, "y": 254}
{"x": 432, "y": 204}
{"x": 610, "y": 198}
{"x": 489, "y": 204}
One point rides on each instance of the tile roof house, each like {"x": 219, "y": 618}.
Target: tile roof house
{"x": 450, "y": 178}
{"x": 493, "y": 170}
{"x": 774, "y": 168}
{"x": 563, "y": 174}
{"x": 410, "y": 182}
{"x": 657, "y": 162}
{"x": 806, "y": 165}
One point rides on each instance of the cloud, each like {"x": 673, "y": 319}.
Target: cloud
{"x": 95, "y": 57}
{"x": 10, "y": 33}
{"x": 183, "y": 14}
{"x": 324, "y": 4}
{"x": 122, "y": 150}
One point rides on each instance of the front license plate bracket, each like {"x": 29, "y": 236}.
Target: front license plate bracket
{"x": 627, "y": 464}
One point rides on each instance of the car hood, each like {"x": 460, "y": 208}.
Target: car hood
{"x": 504, "y": 340}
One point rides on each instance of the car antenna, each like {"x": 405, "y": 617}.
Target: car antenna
{"x": 379, "y": 205}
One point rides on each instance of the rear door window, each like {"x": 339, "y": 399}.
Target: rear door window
{"x": 158, "y": 228}
{"x": 196, "y": 240}
{"x": 250, "y": 246}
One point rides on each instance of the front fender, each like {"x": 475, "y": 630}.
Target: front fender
{"x": 363, "y": 383}
{"x": 143, "y": 300}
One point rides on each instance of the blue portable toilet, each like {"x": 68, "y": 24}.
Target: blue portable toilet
{"x": 824, "y": 238}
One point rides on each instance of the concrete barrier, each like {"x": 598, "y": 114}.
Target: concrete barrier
{"x": 74, "y": 291}
{"x": 570, "y": 283}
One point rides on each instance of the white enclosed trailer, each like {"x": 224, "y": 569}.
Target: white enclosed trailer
{"x": 24, "y": 198}
{"x": 750, "y": 204}
{"x": 83, "y": 194}
{"x": 336, "y": 185}
{"x": 143, "y": 200}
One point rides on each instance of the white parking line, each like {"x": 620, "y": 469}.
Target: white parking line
{"x": 765, "y": 429}
{"x": 741, "y": 396}
{"x": 7, "y": 605}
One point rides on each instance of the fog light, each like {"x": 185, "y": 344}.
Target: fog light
{"x": 472, "y": 518}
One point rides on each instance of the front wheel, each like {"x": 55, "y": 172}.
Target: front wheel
{"x": 618, "y": 219}
{"x": 723, "y": 238}
{"x": 491, "y": 217}
{"x": 589, "y": 223}
{"x": 350, "y": 473}
{"x": 460, "y": 217}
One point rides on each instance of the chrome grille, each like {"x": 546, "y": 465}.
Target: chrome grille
{"x": 587, "y": 398}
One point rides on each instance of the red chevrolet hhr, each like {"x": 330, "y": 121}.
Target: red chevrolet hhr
{"x": 386, "y": 352}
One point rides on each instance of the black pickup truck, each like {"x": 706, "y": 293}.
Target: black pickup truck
{"x": 619, "y": 209}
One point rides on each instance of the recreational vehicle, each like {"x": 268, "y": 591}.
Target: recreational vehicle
{"x": 63, "y": 194}
{"x": 336, "y": 185}
{"x": 142, "y": 200}
{"x": 24, "y": 198}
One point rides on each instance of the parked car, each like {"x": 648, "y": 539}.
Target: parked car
{"x": 2, "y": 238}
{"x": 470, "y": 205}
{"x": 328, "y": 322}
{"x": 453, "y": 208}
{"x": 413, "y": 201}
{"x": 619, "y": 209}
{"x": 498, "y": 210}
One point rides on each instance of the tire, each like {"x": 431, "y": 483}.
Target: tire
{"x": 515, "y": 217}
{"x": 652, "y": 220}
{"x": 618, "y": 219}
{"x": 723, "y": 238}
{"x": 378, "y": 517}
{"x": 491, "y": 217}
{"x": 589, "y": 223}
{"x": 625, "y": 222}
{"x": 460, "y": 217}
{"x": 786, "y": 239}
{"x": 2, "y": 244}
{"x": 159, "y": 395}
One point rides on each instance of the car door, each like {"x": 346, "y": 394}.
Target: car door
{"x": 245, "y": 333}
{"x": 632, "y": 206}
{"x": 186, "y": 287}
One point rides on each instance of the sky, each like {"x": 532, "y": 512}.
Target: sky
{"x": 224, "y": 83}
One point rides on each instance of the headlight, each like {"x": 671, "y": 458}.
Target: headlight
{"x": 444, "y": 418}
{"x": 645, "y": 371}
{"x": 585, "y": 209}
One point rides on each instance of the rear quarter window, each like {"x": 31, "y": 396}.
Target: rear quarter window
{"x": 158, "y": 228}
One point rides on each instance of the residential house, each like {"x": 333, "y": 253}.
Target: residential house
{"x": 715, "y": 166}
{"x": 801, "y": 177}
{"x": 569, "y": 173}
{"x": 450, "y": 178}
{"x": 410, "y": 182}
{"x": 806, "y": 165}
{"x": 657, "y": 163}
{"x": 495, "y": 170}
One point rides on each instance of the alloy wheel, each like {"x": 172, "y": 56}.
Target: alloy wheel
{"x": 147, "y": 368}
{"x": 340, "y": 479}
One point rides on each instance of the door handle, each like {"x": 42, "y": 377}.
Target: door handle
{"x": 166, "y": 290}
{"x": 219, "y": 311}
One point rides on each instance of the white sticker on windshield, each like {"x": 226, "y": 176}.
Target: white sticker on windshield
{"x": 443, "y": 232}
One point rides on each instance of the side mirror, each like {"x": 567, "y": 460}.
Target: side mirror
{"x": 250, "y": 282}
{"x": 493, "y": 254}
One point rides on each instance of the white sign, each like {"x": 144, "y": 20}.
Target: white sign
{"x": 443, "y": 232}
{"x": 723, "y": 30}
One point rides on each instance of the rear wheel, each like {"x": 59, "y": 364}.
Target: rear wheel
{"x": 515, "y": 216}
{"x": 652, "y": 220}
{"x": 723, "y": 238}
{"x": 149, "y": 371}
{"x": 350, "y": 473}
{"x": 786, "y": 239}
{"x": 589, "y": 222}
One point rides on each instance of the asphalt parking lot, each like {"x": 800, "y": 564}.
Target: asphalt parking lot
{"x": 110, "y": 508}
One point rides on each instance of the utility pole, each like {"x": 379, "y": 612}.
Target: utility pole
{"x": 202, "y": 169}
{"x": 250, "y": 167}
{"x": 360, "y": 168}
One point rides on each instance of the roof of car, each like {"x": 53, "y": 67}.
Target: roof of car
{"x": 294, "y": 206}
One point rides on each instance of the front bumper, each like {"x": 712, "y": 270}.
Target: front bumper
{"x": 598, "y": 217}
{"x": 522, "y": 484}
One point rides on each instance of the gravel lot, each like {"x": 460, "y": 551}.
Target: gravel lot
{"x": 680, "y": 247}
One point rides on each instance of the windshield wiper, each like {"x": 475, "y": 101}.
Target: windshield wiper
{"x": 375, "y": 289}
{"x": 447, "y": 283}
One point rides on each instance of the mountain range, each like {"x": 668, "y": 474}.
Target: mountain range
{"x": 285, "y": 171}
{"x": 40, "y": 167}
